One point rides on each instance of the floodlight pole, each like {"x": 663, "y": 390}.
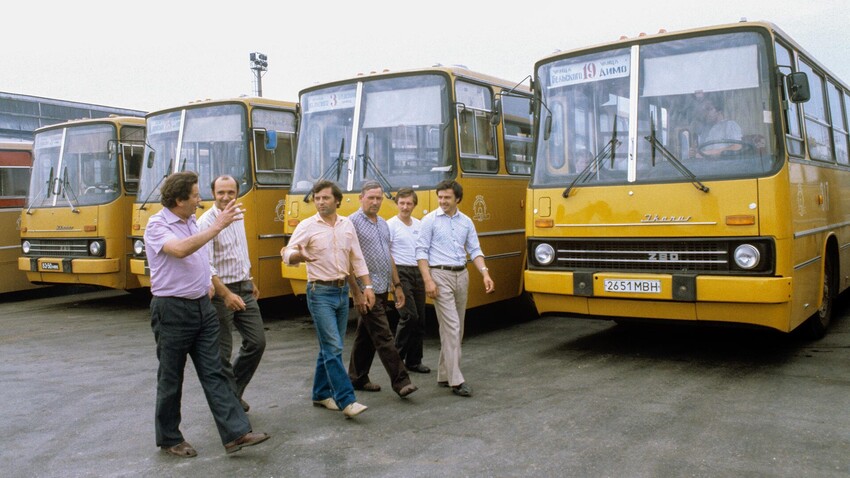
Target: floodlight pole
{"x": 259, "y": 63}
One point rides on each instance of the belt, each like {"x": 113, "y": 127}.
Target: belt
{"x": 332, "y": 283}
{"x": 402, "y": 266}
{"x": 450, "y": 268}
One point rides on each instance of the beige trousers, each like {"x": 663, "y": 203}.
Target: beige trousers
{"x": 450, "y": 305}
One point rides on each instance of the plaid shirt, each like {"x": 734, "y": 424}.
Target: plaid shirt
{"x": 375, "y": 243}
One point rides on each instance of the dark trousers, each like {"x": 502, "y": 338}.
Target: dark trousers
{"x": 249, "y": 323}
{"x": 410, "y": 332}
{"x": 184, "y": 327}
{"x": 373, "y": 334}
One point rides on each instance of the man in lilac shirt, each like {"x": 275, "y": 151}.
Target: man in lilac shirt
{"x": 183, "y": 320}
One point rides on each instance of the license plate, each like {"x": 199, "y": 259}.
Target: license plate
{"x": 633, "y": 286}
{"x": 51, "y": 266}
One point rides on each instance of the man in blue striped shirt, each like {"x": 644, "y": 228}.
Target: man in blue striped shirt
{"x": 447, "y": 237}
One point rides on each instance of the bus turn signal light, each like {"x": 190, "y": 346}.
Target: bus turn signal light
{"x": 544, "y": 223}
{"x": 89, "y": 228}
{"x": 293, "y": 222}
{"x": 742, "y": 220}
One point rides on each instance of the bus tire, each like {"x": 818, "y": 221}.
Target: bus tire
{"x": 817, "y": 324}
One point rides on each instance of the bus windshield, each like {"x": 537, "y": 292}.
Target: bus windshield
{"x": 397, "y": 129}
{"x": 211, "y": 141}
{"x": 73, "y": 167}
{"x": 694, "y": 109}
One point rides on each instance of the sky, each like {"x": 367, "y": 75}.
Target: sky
{"x": 158, "y": 54}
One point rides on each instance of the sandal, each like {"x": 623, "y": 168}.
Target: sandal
{"x": 183, "y": 450}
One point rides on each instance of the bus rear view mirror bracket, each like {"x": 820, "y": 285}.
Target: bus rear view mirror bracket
{"x": 798, "y": 87}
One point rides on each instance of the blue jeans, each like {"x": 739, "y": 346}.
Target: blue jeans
{"x": 329, "y": 307}
{"x": 184, "y": 327}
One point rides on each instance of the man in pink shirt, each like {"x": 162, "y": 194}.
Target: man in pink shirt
{"x": 183, "y": 319}
{"x": 328, "y": 243}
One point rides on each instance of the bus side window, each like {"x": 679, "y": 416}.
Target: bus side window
{"x": 273, "y": 166}
{"x": 817, "y": 122}
{"x": 132, "y": 166}
{"x": 793, "y": 132}
{"x": 13, "y": 181}
{"x": 477, "y": 137}
{"x": 518, "y": 137}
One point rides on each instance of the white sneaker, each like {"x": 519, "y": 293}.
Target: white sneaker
{"x": 328, "y": 403}
{"x": 354, "y": 409}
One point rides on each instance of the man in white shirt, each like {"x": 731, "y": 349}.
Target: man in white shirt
{"x": 404, "y": 230}
{"x": 236, "y": 294}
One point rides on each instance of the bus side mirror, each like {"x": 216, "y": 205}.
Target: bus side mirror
{"x": 149, "y": 164}
{"x": 271, "y": 140}
{"x": 798, "y": 87}
{"x": 496, "y": 115}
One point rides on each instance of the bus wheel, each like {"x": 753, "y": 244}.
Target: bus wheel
{"x": 818, "y": 323}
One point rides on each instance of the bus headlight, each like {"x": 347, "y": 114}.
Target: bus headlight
{"x": 544, "y": 254}
{"x": 25, "y": 246}
{"x": 96, "y": 248}
{"x": 139, "y": 247}
{"x": 747, "y": 256}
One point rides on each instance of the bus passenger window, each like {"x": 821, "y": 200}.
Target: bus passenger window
{"x": 477, "y": 137}
{"x": 517, "y": 130}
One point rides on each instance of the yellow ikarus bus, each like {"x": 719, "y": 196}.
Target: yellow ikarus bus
{"x": 414, "y": 129}
{"x": 251, "y": 139}
{"x": 74, "y": 225}
{"x": 15, "y": 164}
{"x": 698, "y": 175}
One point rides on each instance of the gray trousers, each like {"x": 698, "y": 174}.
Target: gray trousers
{"x": 249, "y": 323}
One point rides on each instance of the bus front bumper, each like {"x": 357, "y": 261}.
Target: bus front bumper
{"x": 68, "y": 265}
{"x": 753, "y": 300}
{"x": 139, "y": 268}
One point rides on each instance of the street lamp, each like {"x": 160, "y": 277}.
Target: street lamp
{"x": 259, "y": 63}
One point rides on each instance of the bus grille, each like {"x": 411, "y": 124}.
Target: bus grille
{"x": 643, "y": 256}
{"x": 58, "y": 247}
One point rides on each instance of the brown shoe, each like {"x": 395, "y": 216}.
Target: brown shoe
{"x": 183, "y": 450}
{"x": 248, "y": 439}
{"x": 407, "y": 390}
{"x": 369, "y": 387}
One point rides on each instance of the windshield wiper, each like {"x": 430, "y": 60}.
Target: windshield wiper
{"x": 337, "y": 163}
{"x": 677, "y": 164}
{"x": 367, "y": 161}
{"x": 66, "y": 188}
{"x": 45, "y": 188}
{"x": 593, "y": 165}
{"x": 145, "y": 202}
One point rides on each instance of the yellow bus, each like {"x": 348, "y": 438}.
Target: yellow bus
{"x": 413, "y": 129}
{"x": 84, "y": 178}
{"x": 714, "y": 187}
{"x": 15, "y": 164}
{"x": 251, "y": 139}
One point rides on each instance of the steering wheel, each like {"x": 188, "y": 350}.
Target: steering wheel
{"x": 746, "y": 148}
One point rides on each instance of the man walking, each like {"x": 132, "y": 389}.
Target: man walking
{"x": 373, "y": 332}
{"x": 236, "y": 294}
{"x": 183, "y": 318}
{"x": 447, "y": 236}
{"x": 327, "y": 242}
{"x": 404, "y": 230}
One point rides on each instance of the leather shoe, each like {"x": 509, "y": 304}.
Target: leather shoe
{"x": 328, "y": 403}
{"x": 443, "y": 384}
{"x": 369, "y": 387}
{"x": 248, "y": 439}
{"x": 245, "y": 406}
{"x": 462, "y": 390}
{"x": 353, "y": 409}
{"x": 419, "y": 368}
{"x": 407, "y": 390}
{"x": 183, "y": 450}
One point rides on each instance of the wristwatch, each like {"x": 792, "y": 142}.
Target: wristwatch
{"x": 368, "y": 287}
{"x": 397, "y": 284}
